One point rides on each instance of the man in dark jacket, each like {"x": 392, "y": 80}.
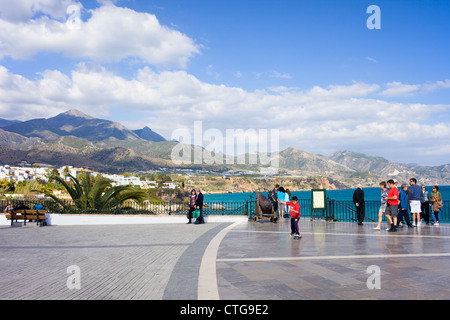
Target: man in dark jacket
{"x": 358, "y": 200}
{"x": 199, "y": 206}
{"x": 273, "y": 197}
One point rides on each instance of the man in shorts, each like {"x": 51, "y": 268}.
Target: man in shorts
{"x": 392, "y": 206}
{"x": 415, "y": 194}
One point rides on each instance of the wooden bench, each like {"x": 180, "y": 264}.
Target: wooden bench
{"x": 28, "y": 214}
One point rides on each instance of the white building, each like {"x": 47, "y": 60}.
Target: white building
{"x": 119, "y": 180}
{"x": 74, "y": 172}
{"x": 169, "y": 185}
{"x": 22, "y": 173}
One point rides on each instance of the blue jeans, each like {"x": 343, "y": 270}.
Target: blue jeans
{"x": 436, "y": 216}
{"x": 403, "y": 213}
{"x": 294, "y": 226}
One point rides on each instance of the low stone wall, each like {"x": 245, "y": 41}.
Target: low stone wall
{"x": 76, "y": 220}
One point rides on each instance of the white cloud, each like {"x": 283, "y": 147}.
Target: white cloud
{"x": 21, "y": 10}
{"x": 316, "y": 120}
{"x": 211, "y": 72}
{"x": 319, "y": 119}
{"x": 398, "y": 89}
{"x": 273, "y": 74}
{"x": 23, "y": 99}
{"x": 429, "y": 87}
{"x": 111, "y": 34}
{"x": 354, "y": 90}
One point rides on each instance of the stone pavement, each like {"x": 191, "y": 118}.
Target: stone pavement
{"x": 334, "y": 261}
{"x": 115, "y": 262}
{"x": 253, "y": 261}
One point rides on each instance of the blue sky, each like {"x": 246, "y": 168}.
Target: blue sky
{"x": 311, "y": 69}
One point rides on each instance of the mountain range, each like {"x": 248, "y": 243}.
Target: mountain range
{"x": 77, "y": 124}
{"x": 74, "y": 138}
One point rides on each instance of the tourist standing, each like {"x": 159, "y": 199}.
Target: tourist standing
{"x": 392, "y": 206}
{"x": 199, "y": 206}
{"x": 425, "y": 205}
{"x": 358, "y": 200}
{"x": 403, "y": 207}
{"x": 287, "y": 198}
{"x": 436, "y": 201}
{"x": 415, "y": 194}
{"x": 192, "y": 198}
{"x": 282, "y": 206}
{"x": 273, "y": 197}
{"x": 384, "y": 194}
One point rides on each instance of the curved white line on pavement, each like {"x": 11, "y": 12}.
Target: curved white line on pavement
{"x": 207, "y": 278}
{"x": 360, "y": 256}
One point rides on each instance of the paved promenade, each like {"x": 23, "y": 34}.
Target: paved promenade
{"x": 237, "y": 261}
{"x": 260, "y": 261}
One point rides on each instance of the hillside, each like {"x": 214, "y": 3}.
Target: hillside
{"x": 299, "y": 161}
{"x": 379, "y": 166}
{"x": 72, "y": 123}
{"x": 238, "y": 184}
{"x": 74, "y": 138}
{"x": 149, "y": 135}
{"x": 364, "y": 162}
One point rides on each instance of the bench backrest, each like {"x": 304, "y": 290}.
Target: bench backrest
{"x": 28, "y": 211}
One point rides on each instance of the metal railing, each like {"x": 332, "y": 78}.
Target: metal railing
{"x": 336, "y": 210}
{"x": 133, "y": 208}
{"x": 346, "y": 211}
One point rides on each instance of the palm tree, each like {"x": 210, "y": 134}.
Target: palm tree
{"x": 99, "y": 195}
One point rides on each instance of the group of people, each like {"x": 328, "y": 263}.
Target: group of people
{"x": 284, "y": 195}
{"x": 285, "y": 206}
{"x": 395, "y": 202}
{"x": 196, "y": 203}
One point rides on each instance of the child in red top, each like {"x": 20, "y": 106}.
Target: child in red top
{"x": 295, "y": 216}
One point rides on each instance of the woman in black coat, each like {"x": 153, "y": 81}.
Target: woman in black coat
{"x": 199, "y": 206}
{"x": 192, "y": 199}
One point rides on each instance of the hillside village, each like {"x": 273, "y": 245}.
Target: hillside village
{"x": 179, "y": 181}
{"x": 27, "y": 173}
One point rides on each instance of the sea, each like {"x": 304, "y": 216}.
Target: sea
{"x": 339, "y": 195}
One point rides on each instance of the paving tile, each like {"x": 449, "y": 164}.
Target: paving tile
{"x": 116, "y": 262}
{"x": 255, "y": 261}
{"x": 329, "y": 262}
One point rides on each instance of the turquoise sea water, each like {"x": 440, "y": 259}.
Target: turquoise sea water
{"x": 340, "y": 195}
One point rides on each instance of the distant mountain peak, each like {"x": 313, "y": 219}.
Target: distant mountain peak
{"x": 77, "y": 113}
{"x": 148, "y": 134}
